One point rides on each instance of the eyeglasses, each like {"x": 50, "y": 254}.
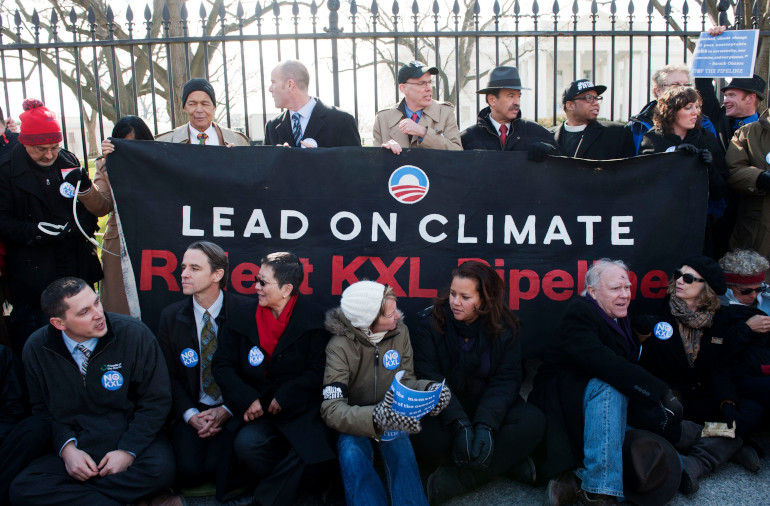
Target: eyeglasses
{"x": 422, "y": 84}
{"x": 262, "y": 282}
{"x": 747, "y": 291}
{"x": 590, "y": 98}
{"x": 668, "y": 85}
{"x": 687, "y": 278}
{"x": 42, "y": 151}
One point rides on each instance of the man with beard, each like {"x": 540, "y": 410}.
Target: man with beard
{"x": 42, "y": 240}
{"x": 417, "y": 121}
{"x": 499, "y": 125}
{"x": 582, "y": 136}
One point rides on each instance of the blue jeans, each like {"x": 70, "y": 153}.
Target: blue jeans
{"x": 362, "y": 484}
{"x": 604, "y": 412}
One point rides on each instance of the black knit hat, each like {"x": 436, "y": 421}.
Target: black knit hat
{"x": 197, "y": 84}
{"x": 710, "y": 270}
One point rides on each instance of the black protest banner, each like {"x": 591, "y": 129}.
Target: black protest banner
{"x": 407, "y": 220}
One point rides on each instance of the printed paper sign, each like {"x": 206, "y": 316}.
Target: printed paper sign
{"x": 414, "y": 403}
{"x": 729, "y": 55}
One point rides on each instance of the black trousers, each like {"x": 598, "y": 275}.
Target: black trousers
{"x": 46, "y": 481}
{"x": 19, "y": 446}
{"x": 198, "y": 458}
{"x": 521, "y": 430}
{"x": 267, "y": 453}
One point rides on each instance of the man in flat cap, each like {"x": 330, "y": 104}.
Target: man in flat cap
{"x": 417, "y": 121}
{"x": 581, "y": 135}
{"x": 499, "y": 125}
{"x": 307, "y": 122}
{"x": 200, "y": 104}
{"x": 42, "y": 240}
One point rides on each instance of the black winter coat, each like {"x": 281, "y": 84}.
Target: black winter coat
{"x": 584, "y": 347}
{"x": 523, "y": 134}
{"x": 709, "y": 376}
{"x": 329, "y": 126}
{"x": 11, "y": 391}
{"x": 602, "y": 140}
{"x": 655, "y": 141}
{"x": 32, "y": 266}
{"x": 749, "y": 350}
{"x": 436, "y": 356}
{"x": 293, "y": 376}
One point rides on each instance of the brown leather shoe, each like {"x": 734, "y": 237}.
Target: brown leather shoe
{"x": 562, "y": 490}
{"x": 590, "y": 499}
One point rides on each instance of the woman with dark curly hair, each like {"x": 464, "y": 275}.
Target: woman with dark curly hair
{"x": 471, "y": 338}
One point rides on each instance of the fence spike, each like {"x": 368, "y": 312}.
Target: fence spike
{"x": 183, "y": 14}
{"x": 555, "y": 7}
{"x": 575, "y": 7}
{"x": 516, "y": 8}
{"x": 594, "y": 7}
{"x": 395, "y": 7}
{"x": 129, "y": 14}
{"x": 73, "y": 17}
{"x": 476, "y": 8}
{"x": 295, "y": 9}
{"x": 456, "y": 8}
{"x": 651, "y": 8}
{"x": 613, "y": 8}
{"x": 667, "y": 9}
{"x": 374, "y": 8}
{"x": 276, "y": 8}
{"x": 110, "y": 15}
{"x": 35, "y": 19}
{"x": 313, "y": 8}
{"x": 686, "y": 8}
{"x": 353, "y": 7}
{"x": 415, "y": 7}
{"x": 630, "y": 8}
{"x": 239, "y": 11}
{"x": 535, "y": 8}
{"x": 436, "y": 7}
{"x": 201, "y": 12}
{"x": 222, "y": 11}
{"x": 147, "y": 13}
{"x": 496, "y": 8}
{"x": 91, "y": 15}
{"x": 165, "y": 13}
{"x": 54, "y": 19}
{"x": 258, "y": 10}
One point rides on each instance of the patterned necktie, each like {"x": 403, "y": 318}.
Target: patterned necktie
{"x": 415, "y": 117}
{"x": 503, "y": 134}
{"x": 208, "y": 347}
{"x": 87, "y": 356}
{"x": 297, "y": 130}
{"x": 202, "y": 139}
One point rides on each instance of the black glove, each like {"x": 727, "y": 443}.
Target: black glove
{"x": 645, "y": 324}
{"x": 49, "y": 233}
{"x": 688, "y": 148}
{"x": 705, "y": 156}
{"x": 672, "y": 409}
{"x": 763, "y": 181}
{"x": 463, "y": 442}
{"x": 539, "y": 150}
{"x": 730, "y": 413}
{"x": 386, "y": 419}
{"x": 443, "y": 399}
{"x": 483, "y": 446}
{"x": 81, "y": 175}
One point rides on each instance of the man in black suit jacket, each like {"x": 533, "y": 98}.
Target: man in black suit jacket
{"x": 582, "y": 136}
{"x": 307, "y": 122}
{"x": 202, "y": 442}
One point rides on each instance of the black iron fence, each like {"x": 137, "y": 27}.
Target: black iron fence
{"x": 94, "y": 68}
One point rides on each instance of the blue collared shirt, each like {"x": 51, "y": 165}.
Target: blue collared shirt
{"x": 739, "y": 122}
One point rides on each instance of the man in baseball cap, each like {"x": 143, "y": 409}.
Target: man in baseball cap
{"x": 582, "y": 135}
{"x": 417, "y": 121}
{"x": 37, "y": 184}
{"x": 200, "y": 104}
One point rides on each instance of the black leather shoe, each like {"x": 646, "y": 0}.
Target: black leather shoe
{"x": 591, "y": 499}
{"x": 564, "y": 489}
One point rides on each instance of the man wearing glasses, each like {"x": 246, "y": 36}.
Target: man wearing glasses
{"x": 581, "y": 135}
{"x": 42, "y": 240}
{"x": 417, "y": 121}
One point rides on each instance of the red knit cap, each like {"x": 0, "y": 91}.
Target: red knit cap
{"x": 38, "y": 124}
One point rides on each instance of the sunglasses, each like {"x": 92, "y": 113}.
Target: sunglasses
{"x": 687, "y": 278}
{"x": 747, "y": 291}
{"x": 262, "y": 282}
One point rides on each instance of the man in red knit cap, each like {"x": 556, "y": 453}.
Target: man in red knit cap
{"x": 37, "y": 224}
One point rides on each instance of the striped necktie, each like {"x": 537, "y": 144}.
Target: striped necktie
{"x": 87, "y": 356}
{"x": 297, "y": 130}
{"x": 202, "y": 139}
{"x": 208, "y": 347}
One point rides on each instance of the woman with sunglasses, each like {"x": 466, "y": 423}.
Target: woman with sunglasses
{"x": 678, "y": 127}
{"x": 688, "y": 348}
{"x": 750, "y": 305}
{"x": 369, "y": 346}
{"x": 470, "y": 337}
{"x": 269, "y": 365}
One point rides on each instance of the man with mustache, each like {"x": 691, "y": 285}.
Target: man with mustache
{"x": 582, "y": 136}
{"x": 417, "y": 121}
{"x": 499, "y": 125}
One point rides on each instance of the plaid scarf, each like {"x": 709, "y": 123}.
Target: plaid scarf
{"x": 691, "y": 325}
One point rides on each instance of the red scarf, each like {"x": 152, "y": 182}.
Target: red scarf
{"x": 270, "y": 328}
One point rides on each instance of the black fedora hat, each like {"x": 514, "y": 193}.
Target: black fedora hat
{"x": 503, "y": 78}
{"x": 754, "y": 84}
{"x": 652, "y": 469}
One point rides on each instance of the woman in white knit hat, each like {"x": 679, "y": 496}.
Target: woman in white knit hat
{"x": 370, "y": 345}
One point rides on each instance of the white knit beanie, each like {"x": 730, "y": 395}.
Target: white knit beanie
{"x": 361, "y": 303}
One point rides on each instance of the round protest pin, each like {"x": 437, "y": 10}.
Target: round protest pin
{"x": 671, "y": 149}
{"x": 663, "y": 330}
{"x": 256, "y": 356}
{"x": 391, "y": 360}
{"x": 112, "y": 380}
{"x": 189, "y": 357}
{"x": 767, "y": 158}
{"x": 67, "y": 190}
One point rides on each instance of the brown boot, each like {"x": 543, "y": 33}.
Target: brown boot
{"x": 591, "y": 499}
{"x": 564, "y": 489}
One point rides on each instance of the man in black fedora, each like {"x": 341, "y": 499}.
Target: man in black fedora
{"x": 499, "y": 125}
{"x": 582, "y": 135}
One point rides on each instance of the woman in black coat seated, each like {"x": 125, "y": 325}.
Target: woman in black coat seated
{"x": 471, "y": 338}
{"x": 688, "y": 347}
